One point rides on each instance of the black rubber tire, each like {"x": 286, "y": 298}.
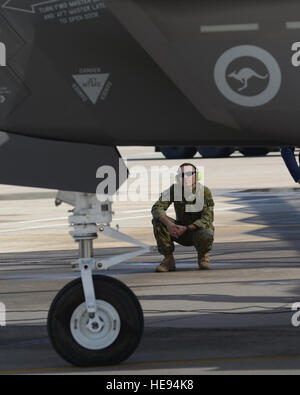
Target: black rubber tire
{"x": 254, "y": 151}
{"x": 178, "y": 152}
{"x": 121, "y": 298}
{"x": 215, "y": 152}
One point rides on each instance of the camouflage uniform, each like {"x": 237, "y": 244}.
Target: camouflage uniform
{"x": 202, "y": 238}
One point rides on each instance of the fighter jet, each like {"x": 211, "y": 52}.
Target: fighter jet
{"x": 80, "y": 77}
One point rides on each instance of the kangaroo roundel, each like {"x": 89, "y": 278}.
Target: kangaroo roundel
{"x": 248, "y": 76}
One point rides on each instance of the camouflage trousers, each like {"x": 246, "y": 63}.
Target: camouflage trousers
{"x": 201, "y": 239}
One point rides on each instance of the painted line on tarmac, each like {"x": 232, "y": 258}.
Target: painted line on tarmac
{"x": 34, "y": 220}
{"x": 34, "y": 228}
{"x": 230, "y": 208}
{"x": 231, "y": 203}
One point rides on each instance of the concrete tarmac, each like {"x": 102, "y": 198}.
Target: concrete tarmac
{"x": 233, "y": 319}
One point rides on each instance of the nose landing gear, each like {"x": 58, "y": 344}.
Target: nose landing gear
{"x": 95, "y": 320}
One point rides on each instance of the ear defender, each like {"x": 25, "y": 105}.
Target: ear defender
{"x": 199, "y": 175}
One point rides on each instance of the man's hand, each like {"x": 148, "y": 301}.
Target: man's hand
{"x": 181, "y": 230}
{"x": 176, "y": 230}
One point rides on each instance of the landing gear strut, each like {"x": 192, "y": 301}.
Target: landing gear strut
{"x": 96, "y": 320}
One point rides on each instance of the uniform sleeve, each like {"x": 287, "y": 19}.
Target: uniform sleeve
{"x": 288, "y": 155}
{"x": 161, "y": 206}
{"x": 207, "y": 214}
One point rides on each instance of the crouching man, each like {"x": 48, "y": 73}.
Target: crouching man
{"x": 194, "y": 207}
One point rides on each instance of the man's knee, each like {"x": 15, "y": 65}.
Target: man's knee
{"x": 204, "y": 235}
{"x": 203, "y": 240}
{"x": 161, "y": 232}
{"x": 163, "y": 238}
{"x": 159, "y": 228}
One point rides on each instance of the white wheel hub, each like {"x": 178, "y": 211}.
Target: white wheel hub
{"x": 99, "y": 333}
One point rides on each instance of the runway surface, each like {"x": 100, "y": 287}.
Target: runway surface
{"x": 234, "y": 319}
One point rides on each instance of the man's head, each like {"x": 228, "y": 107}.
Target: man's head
{"x": 187, "y": 175}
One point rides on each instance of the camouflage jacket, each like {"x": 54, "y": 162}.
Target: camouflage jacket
{"x": 199, "y": 212}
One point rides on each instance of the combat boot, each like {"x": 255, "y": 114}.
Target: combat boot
{"x": 203, "y": 262}
{"x": 167, "y": 265}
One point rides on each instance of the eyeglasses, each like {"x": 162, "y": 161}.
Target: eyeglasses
{"x": 187, "y": 174}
